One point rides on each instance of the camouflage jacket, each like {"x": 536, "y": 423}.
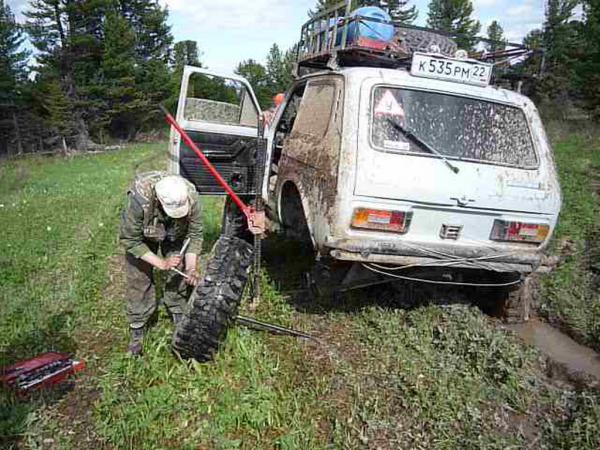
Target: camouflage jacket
{"x": 143, "y": 221}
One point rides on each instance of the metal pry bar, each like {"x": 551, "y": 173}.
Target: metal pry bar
{"x": 186, "y": 243}
{"x": 180, "y": 273}
{"x": 253, "y": 323}
{"x": 185, "y": 246}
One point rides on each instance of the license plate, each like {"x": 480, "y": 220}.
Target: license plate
{"x": 458, "y": 71}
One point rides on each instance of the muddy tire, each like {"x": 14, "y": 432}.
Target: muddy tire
{"x": 421, "y": 41}
{"x": 215, "y": 302}
{"x": 518, "y": 302}
{"x": 234, "y": 223}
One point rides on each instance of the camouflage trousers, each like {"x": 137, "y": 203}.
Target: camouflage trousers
{"x": 141, "y": 292}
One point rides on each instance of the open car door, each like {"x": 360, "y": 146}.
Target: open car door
{"x": 220, "y": 113}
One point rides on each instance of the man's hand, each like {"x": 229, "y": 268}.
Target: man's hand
{"x": 191, "y": 262}
{"x": 172, "y": 262}
{"x": 192, "y": 277}
{"x": 160, "y": 263}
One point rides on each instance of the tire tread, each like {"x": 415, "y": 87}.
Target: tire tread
{"x": 215, "y": 301}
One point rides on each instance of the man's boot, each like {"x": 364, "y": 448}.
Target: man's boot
{"x": 136, "y": 341}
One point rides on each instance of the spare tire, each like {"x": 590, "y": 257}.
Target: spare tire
{"x": 421, "y": 41}
{"x": 215, "y": 301}
{"x": 234, "y": 222}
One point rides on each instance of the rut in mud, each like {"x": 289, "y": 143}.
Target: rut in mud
{"x": 578, "y": 361}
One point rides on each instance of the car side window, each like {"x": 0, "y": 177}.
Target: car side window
{"x": 314, "y": 115}
{"x": 219, "y": 100}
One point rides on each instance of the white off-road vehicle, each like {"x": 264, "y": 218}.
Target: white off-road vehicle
{"x": 415, "y": 169}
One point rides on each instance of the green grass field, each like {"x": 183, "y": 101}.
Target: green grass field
{"x": 572, "y": 293}
{"x": 386, "y": 377}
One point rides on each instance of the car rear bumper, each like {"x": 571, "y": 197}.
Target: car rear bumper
{"x": 439, "y": 255}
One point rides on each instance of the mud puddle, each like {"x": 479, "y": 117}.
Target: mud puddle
{"x": 575, "y": 358}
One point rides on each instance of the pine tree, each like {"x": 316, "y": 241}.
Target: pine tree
{"x": 533, "y": 41}
{"x": 397, "y": 9}
{"x": 454, "y": 16}
{"x": 588, "y": 68}
{"x": 495, "y": 33}
{"x": 57, "y": 110}
{"x": 65, "y": 34}
{"x": 324, "y": 5}
{"x": 126, "y": 103}
{"x": 558, "y": 29}
{"x": 530, "y": 67}
{"x": 148, "y": 21}
{"x": 13, "y": 58}
{"x": 279, "y": 69}
{"x": 563, "y": 44}
{"x": 186, "y": 53}
{"x": 256, "y": 74}
{"x": 13, "y": 76}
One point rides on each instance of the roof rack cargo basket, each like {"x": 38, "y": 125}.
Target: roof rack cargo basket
{"x": 343, "y": 36}
{"x": 340, "y": 36}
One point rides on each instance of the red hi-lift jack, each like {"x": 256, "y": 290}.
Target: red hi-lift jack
{"x": 256, "y": 225}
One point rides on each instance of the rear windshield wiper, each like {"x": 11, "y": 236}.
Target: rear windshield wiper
{"x": 409, "y": 134}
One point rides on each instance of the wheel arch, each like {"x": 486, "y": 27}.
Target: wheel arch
{"x": 292, "y": 190}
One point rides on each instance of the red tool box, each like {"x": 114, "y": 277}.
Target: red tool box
{"x": 42, "y": 371}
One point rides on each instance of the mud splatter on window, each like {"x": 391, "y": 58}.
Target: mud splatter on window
{"x": 315, "y": 114}
{"x": 457, "y": 127}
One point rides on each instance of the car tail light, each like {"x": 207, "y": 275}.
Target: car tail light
{"x": 519, "y": 232}
{"x": 376, "y": 219}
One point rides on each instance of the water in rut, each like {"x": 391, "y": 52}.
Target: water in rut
{"x": 577, "y": 359}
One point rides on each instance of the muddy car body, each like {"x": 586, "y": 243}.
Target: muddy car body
{"x": 337, "y": 166}
{"x": 392, "y": 175}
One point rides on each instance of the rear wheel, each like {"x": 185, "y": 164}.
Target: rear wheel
{"x": 293, "y": 217}
{"x": 216, "y": 300}
{"x": 518, "y": 301}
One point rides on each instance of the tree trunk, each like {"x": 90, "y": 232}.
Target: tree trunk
{"x": 82, "y": 137}
{"x": 17, "y": 133}
{"x": 131, "y": 132}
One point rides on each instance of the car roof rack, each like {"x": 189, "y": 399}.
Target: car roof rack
{"x": 335, "y": 38}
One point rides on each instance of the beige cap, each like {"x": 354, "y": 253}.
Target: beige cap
{"x": 172, "y": 192}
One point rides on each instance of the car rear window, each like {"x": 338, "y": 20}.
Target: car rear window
{"x": 457, "y": 127}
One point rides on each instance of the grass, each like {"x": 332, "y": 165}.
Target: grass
{"x": 572, "y": 292}
{"x": 386, "y": 377}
